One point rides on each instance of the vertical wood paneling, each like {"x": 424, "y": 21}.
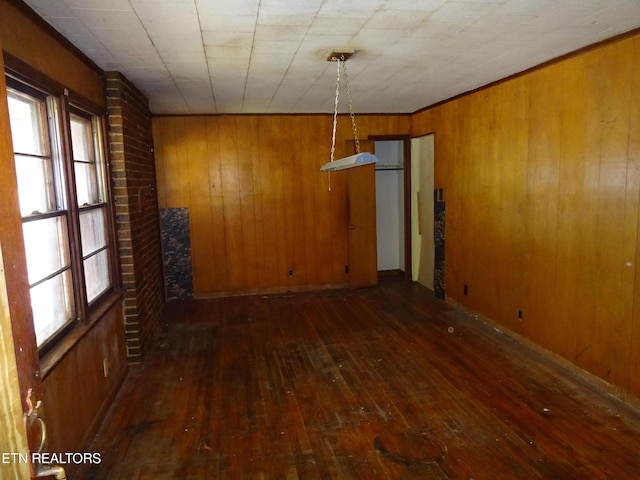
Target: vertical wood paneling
{"x": 588, "y": 260}
{"x": 282, "y": 148}
{"x": 634, "y": 171}
{"x": 542, "y": 184}
{"x": 246, "y": 147}
{"x": 261, "y": 278}
{"x": 159, "y": 136}
{"x": 270, "y": 172}
{"x": 294, "y": 218}
{"x": 514, "y": 101}
{"x": 330, "y": 218}
{"x": 612, "y": 322}
{"x": 73, "y": 417}
{"x": 543, "y": 294}
{"x": 572, "y": 209}
{"x": 215, "y": 223}
{"x": 259, "y": 205}
{"x": 232, "y": 211}
{"x": 308, "y": 133}
{"x": 199, "y": 200}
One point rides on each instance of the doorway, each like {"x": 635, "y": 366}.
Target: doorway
{"x": 390, "y": 206}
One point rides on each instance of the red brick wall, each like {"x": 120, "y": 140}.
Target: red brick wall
{"x": 131, "y": 147}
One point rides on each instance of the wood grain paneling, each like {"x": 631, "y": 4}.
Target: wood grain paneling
{"x": 23, "y": 37}
{"x": 634, "y": 170}
{"x": 74, "y": 413}
{"x": 541, "y": 179}
{"x": 262, "y": 216}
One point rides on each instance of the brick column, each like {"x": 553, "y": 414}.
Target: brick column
{"x": 134, "y": 180}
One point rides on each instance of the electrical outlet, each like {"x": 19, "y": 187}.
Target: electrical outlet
{"x": 291, "y": 272}
{"x": 105, "y": 367}
{"x": 519, "y": 314}
{"x": 465, "y": 290}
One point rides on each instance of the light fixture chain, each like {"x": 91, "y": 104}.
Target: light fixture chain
{"x": 351, "y": 114}
{"x": 335, "y": 119}
{"x": 335, "y": 112}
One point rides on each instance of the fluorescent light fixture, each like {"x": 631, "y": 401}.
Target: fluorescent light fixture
{"x": 364, "y": 158}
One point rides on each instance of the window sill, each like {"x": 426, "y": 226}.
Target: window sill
{"x": 52, "y": 358}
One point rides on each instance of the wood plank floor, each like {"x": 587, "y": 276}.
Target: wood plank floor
{"x": 381, "y": 383}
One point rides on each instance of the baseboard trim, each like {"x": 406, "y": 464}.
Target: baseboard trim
{"x": 589, "y": 378}
{"x": 268, "y": 291}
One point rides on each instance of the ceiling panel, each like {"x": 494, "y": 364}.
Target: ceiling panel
{"x": 255, "y": 56}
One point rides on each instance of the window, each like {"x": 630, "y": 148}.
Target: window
{"x": 64, "y": 206}
{"x": 90, "y": 192}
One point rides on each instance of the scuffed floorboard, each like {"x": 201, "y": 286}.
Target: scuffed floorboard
{"x": 380, "y": 383}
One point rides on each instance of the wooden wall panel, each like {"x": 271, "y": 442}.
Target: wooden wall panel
{"x": 24, "y": 38}
{"x": 634, "y": 172}
{"x": 273, "y": 202}
{"x": 540, "y": 174}
{"x": 216, "y": 272}
{"x": 259, "y": 207}
{"x": 74, "y": 411}
{"x": 543, "y": 212}
{"x": 247, "y": 156}
{"x": 294, "y": 207}
{"x": 608, "y": 98}
{"x": 199, "y": 194}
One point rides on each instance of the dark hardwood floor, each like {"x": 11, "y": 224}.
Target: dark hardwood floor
{"x": 381, "y": 383}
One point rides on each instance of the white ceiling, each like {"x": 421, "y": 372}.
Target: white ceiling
{"x": 269, "y": 56}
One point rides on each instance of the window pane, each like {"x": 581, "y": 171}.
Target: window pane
{"x": 46, "y": 247}
{"x": 86, "y": 183}
{"x": 26, "y": 123}
{"x": 52, "y": 305}
{"x": 92, "y": 230}
{"x": 84, "y": 159}
{"x": 96, "y": 273}
{"x": 27, "y": 116}
{"x": 81, "y": 138}
{"x": 34, "y": 185}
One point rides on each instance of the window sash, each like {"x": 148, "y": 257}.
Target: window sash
{"x": 86, "y": 151}
{"x": 46, "y": 242}
{"x": 32, "y": 154}
{"x": 29, "y": 127}
{"x": 93, "y": 214}
{"x": 96, "y": 271}
{"x": 93, "y": 229}
{"x": 52, "y": 305}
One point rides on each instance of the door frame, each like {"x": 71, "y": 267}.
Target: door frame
{"x": 18, "y": 349}
{"x": 406, "y": 153}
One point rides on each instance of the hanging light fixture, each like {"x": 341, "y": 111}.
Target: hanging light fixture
{"x": 360, "y": 158}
